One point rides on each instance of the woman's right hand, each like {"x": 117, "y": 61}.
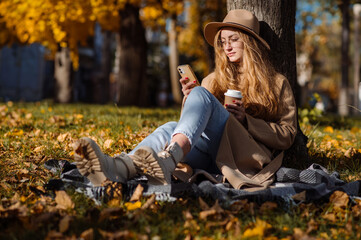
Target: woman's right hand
{"x": 187, "y": 85}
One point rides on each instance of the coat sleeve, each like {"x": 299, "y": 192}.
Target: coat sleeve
{"x": 280, "y": 134}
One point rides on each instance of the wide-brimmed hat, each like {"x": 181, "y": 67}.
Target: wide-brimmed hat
{"x": 238, "y": 18}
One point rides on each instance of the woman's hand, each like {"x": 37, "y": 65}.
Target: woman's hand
{"x": 187, "y": 85}
{"x": 237, "y": 109}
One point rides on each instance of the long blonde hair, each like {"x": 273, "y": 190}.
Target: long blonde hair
{"x": 255, "y": 77}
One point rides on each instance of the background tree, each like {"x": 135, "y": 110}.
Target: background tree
{"x": 191, "y": 41}
{"x": 318, "y": 41}
{"x": 278, "y": 29}
{"x": 154, "y": 16}
{"x": 69, "y": 23}
{"x": 337, "y": 11}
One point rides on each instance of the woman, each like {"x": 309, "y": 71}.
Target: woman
{"x": 244, "y": 141}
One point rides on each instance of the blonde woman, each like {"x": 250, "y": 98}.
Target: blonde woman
{"x": 243, "y": 141}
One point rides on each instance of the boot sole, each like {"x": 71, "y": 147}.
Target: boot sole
{"x": 87, "y": 161}
{"x": 151, "y": 167}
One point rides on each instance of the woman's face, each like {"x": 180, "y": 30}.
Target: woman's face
{"x": 232, "y": 44}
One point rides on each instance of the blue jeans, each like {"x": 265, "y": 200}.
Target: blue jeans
{"x": 202, "y": 121}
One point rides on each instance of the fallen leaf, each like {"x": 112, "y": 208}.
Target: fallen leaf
{"x": 54, "y": 235}
{"x": 203, "y": 204}
{"x": 204, "y": 214}
{"x": 210, "y": 224}
{"x": 137, "y": 193}
{"x": 62, "y": 137}
{"x": 330, "y": 216}
{"x": 187, "y": 215}
{"x": 108, "y": 144}
{"x": 149, "y": 202}
{"x": 64, "y": 223}
{"x": 268, "y": 206}
{"x": 350, "y": 152}
{"x": 63, "y": 200}
{"x": 300, "y": 196}
{"x": 217, "y": 207}
{"x": 328, "y": 129}
{"x": 132, "y": 206}
{"x": 235, "y": 225}
{"x": 312, "y": 226}
{"x": 258, "y": 230}
{"x": 298, "y": 234}
{"x": 87, "y": 234}
{"x": 110, "y": 212}
{"x": 339, "y": 199}
{"x": 116, "y": 235}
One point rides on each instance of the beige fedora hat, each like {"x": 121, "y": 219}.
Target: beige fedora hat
{"x": 238, "y": 18}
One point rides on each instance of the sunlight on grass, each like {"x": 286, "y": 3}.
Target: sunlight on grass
{"x": 32, "y": 133}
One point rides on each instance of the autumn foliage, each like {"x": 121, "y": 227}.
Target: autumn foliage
{"x": 33, "y": 133}
{"x": 69, "y": 23}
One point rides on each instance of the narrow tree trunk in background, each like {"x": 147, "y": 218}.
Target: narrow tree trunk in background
{"x": 102, "y": 71}
{"x": 277, "y": 27}
{"x": 356, "y": 63}
{"x": 173, "y": 61}
{"x": 132, "y": 59}
{"x": 62, "y": 75}
{"x": 343, "y": 98}
{"x": 105, "y": 66}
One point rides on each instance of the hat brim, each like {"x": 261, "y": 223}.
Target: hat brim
{"x": 211, "y": 29}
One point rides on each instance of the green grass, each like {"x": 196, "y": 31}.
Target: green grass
{"x": 32, "y": 133}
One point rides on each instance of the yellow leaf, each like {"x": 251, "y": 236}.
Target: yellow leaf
{"x": 258, "y": 230}
{"x": 132, "y": 206}
{"x": 328, "y": 129}
{"x": 79, "y": 116}
{"x": 339, "y": 136}
{"x": 355, "y": 130}
{"x": 16, "y": 132}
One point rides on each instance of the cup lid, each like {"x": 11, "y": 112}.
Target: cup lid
{"x": 233, "y": 93}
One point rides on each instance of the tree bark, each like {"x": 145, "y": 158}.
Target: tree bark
{"x": 132, "y": 45}
{"x": 173, "y": 61}
{"x": 356, "y": 74}
{"x": 343, "y": 99}
{"x": 62, "y": 75}
{"x": 277, "y": 27}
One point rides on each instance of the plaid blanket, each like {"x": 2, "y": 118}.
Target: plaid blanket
{"x": 292, "y": 186}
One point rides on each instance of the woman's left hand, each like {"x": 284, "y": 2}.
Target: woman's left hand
{"x": 237, "y": 109}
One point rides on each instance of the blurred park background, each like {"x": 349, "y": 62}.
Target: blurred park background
{"x": 126, "y": 51}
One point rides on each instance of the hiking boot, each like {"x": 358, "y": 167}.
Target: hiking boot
{"x": 158, "y": 167}
{"x": 98, "y": 167}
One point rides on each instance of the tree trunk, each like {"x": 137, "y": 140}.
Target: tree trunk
{"x": 62, "y": 75}
{"x": 173, "y": 61}
{"x": 104, "y": 70}
{"x": 277, "y": 27}
{"x": 132, "y": 58}
{"x": 343, "y": 99}
{"x": 356, "y": 63}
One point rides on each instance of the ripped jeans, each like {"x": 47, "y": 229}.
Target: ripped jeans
{"x": 202, "y": 121}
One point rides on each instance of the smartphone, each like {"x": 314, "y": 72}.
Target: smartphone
{"x": 186, "y": 71}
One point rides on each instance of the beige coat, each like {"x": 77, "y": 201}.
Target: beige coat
{"x": 249, "y": 156}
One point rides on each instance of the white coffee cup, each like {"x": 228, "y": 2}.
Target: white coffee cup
{"x": 232, "y": 95}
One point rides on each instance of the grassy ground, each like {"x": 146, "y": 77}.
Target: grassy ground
{"x": 32, "y": 133}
